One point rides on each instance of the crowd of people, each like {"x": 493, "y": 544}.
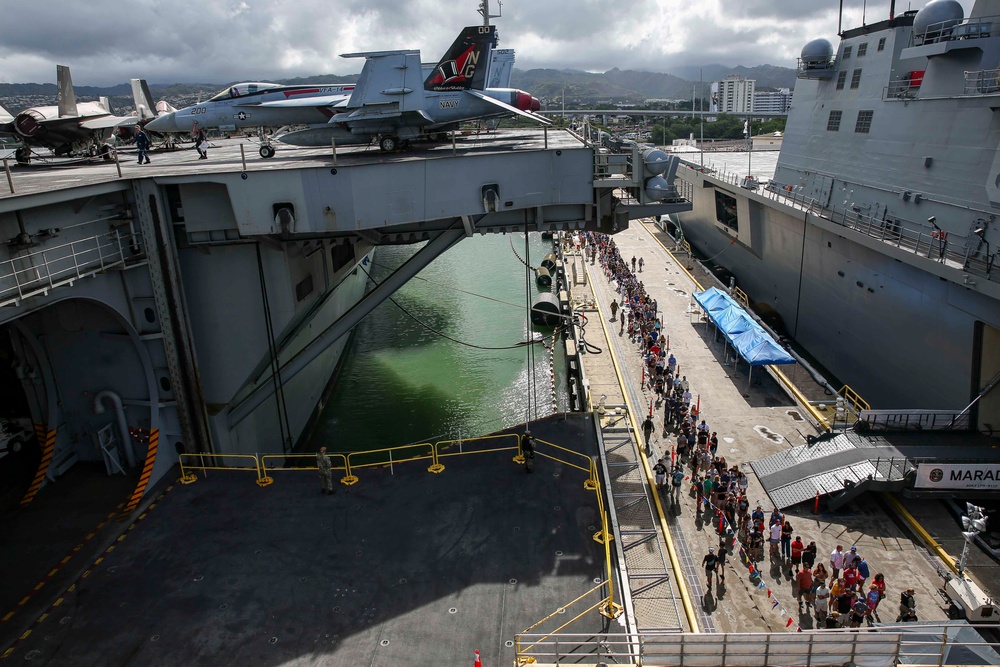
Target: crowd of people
{"x": 846, "y": 594}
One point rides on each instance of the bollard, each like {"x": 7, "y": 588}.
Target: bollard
{"x": 118, "y": 165}
{"x": 243, "y": 157}
{"x": 698, "y": 405}
{"x": 10, "y": 179}
{"x": 673, "y": 456}
{"x": 333, "y": 146}
{"x": 545, "y": 129}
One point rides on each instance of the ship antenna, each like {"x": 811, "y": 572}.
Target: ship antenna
{"x": 484, "y": 11}
{"x": 840, "y": 20}
{"x": 892, "y": 9}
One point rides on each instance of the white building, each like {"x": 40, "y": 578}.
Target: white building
{"x": 772, "y": 101}
{"x": 734, "y": 94}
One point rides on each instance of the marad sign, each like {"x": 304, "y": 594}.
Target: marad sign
{"x": 982, "y": 476}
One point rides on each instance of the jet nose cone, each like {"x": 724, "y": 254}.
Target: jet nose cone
{"x": 535, "y": 104}
{"x": 166, "y": 123}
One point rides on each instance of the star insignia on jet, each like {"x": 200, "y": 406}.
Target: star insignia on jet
{"x": 243, "y": 115}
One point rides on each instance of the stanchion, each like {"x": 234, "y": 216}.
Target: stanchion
{"x": 10, "y": 179}
{"x": 673, "y": 456}
{"x": 118, "y": 164}
{"x": 698, "y": 405}
{"x": 816, "y": 504}
{"x": 243, "y": 157}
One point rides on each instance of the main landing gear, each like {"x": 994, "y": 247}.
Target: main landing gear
{"x": 266, "y": 148}
{"x": 388, "y": 144}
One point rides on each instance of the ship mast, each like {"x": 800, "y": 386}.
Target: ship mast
{"x": 484, "y": 11}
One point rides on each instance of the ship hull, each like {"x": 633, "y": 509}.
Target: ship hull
{"x": 900, "y": 335}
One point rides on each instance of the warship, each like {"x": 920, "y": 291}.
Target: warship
{"x": 874, "y": 246}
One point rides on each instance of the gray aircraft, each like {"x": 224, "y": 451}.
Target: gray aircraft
{"x": 68, "y": 128}
{"x": 394, "y": 101}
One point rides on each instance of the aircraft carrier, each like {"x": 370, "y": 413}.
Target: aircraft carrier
{"x": 874, "y": 246}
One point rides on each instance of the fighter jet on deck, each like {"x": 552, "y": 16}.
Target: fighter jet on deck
{"x": 394, "y": 101}
{"x": 68, "y": 128}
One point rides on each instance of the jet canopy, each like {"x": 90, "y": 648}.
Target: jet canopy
{"x": 242, "y": 89}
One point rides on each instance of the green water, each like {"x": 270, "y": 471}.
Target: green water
{"x": 401, "y": 382}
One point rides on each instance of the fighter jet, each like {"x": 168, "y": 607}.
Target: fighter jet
{"x": 394, "y": 101}
{"x": 67, "y": 128}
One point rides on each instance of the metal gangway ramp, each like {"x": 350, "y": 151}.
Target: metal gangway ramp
{"x": 655, "y": 600}
{"x": 841, "y": 465}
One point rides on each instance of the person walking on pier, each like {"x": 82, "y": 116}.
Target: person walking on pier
{"x": 647, "y": 431}
{"x": 325, "y": 472}
{"x": 633, "y": 263}
{"x": 677, "y": 479}
{"x": 640, "y": 264}
{"x": 614, "y": 309}
{"x": 709, "y": 562}
{"x": 837, "y": 561}
{"x": 142, "y": 144}
{"x": 660, "y": 470}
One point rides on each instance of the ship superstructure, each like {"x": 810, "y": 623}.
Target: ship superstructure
{"x": 877, "y": 239}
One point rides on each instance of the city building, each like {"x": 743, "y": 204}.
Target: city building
{"x": 734, "y": 94}
{"x": 772, "y": 101}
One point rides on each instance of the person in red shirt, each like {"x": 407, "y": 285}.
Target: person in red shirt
{"x": 804, "y": 580}
{"x": 851, "y": 577}
{"x": 797, "y": 548}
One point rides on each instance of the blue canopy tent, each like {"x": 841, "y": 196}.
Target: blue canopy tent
{"x": 746, "y": 336}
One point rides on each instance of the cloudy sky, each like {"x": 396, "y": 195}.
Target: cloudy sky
{"x": 219, "y": 41}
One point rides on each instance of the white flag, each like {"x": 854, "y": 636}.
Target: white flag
{"x": 746, "y": 126}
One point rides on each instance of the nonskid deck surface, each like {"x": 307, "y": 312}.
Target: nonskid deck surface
{"x": 224, "y": 156}
{"x": 406, "y": 567}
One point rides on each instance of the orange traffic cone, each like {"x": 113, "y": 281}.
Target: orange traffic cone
{"x": 479, "y": 662}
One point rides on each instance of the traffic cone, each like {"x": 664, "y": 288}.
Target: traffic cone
{"x": 479, "y": 662}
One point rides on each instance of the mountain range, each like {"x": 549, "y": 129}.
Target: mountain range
{"x": 578, "y": 87}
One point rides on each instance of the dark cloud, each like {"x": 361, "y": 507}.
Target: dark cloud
{"x": 107, "y": 42}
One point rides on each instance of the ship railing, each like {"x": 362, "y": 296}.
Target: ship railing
{"x": 955, "y": 29}
{"x": 982, "y": 82}
{"x": 913, "y": 420}
{"x": 224, "y": 462}
{"x": 900, "y": 89}
{"x": 972, "y": 254}
{"x": 926, "y": 644}
{"x": 36, "y": 273}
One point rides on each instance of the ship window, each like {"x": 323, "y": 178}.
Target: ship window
{"x": 725, "y": 210}
{"x": 841, "y": 78}
{"x": 864, "y": 124}
{"x": 881, "y": 44}
{"x": 856, "y": 78}
{"x": 833, "y": 124}
{"x": 341, "y": 255}
{"x": 847, "y": 52}
{"x": 862, "y": 49}
{"x": 304, "y": 288}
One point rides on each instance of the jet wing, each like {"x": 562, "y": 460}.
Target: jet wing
{"x": 503, "y": 105}
{"x": 321, "y": 101}
{"x": 5, "y": 117}
{"x": 107, "y": 122}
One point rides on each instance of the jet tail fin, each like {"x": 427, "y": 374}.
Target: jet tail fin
{"x": 501, "y": 68}
{"x": 143, "y": 99}
{"x": 65, "y": 97}
{"x": 106, "y": 103}
{"x": 466, "y": 64}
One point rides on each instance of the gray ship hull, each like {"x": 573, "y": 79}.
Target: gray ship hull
{"x": 898, "y": 334}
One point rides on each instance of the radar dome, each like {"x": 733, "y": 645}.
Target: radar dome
{"x": 817, "y": 52}
{"x": 939, "y": 15}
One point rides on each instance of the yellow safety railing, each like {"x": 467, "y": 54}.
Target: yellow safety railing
{"x": 741, "y": 296}
{"x": 190, "y": 462}
{"x": 352, "y": 479}
{"x": 854, "y": 398}
{"x": 590, "y": 469}
{"x": 519, "y": 650}
{"x": 441, "y": 445}
{"x": 266, "y": 479}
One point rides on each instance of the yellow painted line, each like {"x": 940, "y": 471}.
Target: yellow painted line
{"x": 7, "y": 617}
{"x": 71, "y": 588}
{"x": 85, "y": 574}
{"x": 39, "y": 585}
{"x": 58, "y": 602}
{"x": 24, "y": 601}
{"x": 25, "y": 635}
{"x": 65, "y": 560}
{"x": 674, "y": 560}
{"x": 98, "y": 561}
{"x": 922, "y": 533}
{"x": 43, "y": 617}
{"x": 6, "y": 653}
{"x": 53, "y": 572}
